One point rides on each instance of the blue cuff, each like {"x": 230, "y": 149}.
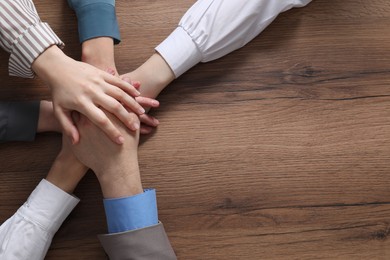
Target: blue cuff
{"x": 130, "y": 213}
{"x": 96, "y": 18}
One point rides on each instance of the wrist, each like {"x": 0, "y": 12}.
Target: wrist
{"x": 66, "y": 172}
{"x": 120, "y": 180}
{"x": 47, "y": 121}
{"x": 99, "y": 52}
{"x": 122, "y": 186}
{"x": 45, "y": 66}
{"x": 154, "y": 75}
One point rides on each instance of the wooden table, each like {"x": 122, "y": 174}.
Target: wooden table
{"x": 278, "y": 151}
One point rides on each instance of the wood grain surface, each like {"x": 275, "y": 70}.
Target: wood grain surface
{"x": 279, "y": 150}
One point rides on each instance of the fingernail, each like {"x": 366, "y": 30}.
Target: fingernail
{"x": 121, "y": 140}
{"x": 137, "y": 92}
{"x": 128, "y": 80}
{"x": 142, "y": 110}
{"x": 156, "y": 103}
{"x": 156, "y": 121}
{"x": 135, "y": 126}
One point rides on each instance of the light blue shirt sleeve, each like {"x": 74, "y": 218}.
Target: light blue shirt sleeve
{"x": 96, "y": 18}
{"x": 130, "y": 213}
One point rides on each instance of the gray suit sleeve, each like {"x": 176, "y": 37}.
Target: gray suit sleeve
{"x": 149, "y": 243}
{"x": 18, "y": 120}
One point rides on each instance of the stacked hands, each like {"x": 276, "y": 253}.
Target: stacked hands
{"x": 101, "y": 114}
{"x": 98, "y": 88}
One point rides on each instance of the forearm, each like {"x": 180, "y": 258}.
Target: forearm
{"x": 122, "y": 179}
{"x": 211, "y": 29}
{"x": 98, "y": 32}
{"x": 47, "y": 122}
{"x": 66, "y": 172}
{"x": 199, "y": 38}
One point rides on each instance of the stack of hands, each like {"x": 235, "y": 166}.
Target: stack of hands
{"x": 101, "y": 114}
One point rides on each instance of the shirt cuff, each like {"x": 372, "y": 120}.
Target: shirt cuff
{"x": 131, "y": 213}
{"x": 97, "y": 20}
{"x": 34, "y": 41}
{"x": 179, "y": 51}
{"x": 48, "y": 206}
{"x": 22, "y": 120}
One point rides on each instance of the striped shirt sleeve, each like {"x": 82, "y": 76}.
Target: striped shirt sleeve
{"x": 24, "y": 35}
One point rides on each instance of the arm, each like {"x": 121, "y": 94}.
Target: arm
{"x": 134, "y": 230}
{"x": 98, "y": 32}
{"x": 41, "y": 216}
{"x": 36, "y": 222}
{"x": 209, "y": 30}
{"x": 33, "y": 47}
{"x": 24, "y": 35}
{"x": 20, "y": 121}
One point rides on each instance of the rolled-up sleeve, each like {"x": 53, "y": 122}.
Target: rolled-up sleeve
{"x": 96, "y": 18}
{"x": 24, "y": 35}
{"x": 211, "y": 29}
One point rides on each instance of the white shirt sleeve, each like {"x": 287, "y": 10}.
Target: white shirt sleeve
{"x": 29, "y": 232}
{"x": 211, "y": 29}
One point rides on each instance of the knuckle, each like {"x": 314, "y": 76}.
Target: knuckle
{"x": 117, "y": 107}
{"x": 103, "y": 121}
{"x": 132, "y": 118}
{"x": 79, "y": 101}
{"x": 119, "y": 93}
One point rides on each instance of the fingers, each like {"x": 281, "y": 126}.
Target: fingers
{"x": 147, "y": 102}
{"x": 149, "y": 120}
{"x": 68, "y": 127}
{"x": 125, "y": 86}
{"x": 145, "y": 130}
{"x": 125, "y": 99}
{"x": 100, "y": 119}
{"x": 116, "y": 108}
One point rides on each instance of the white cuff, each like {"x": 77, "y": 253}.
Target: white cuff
{"x": 48, "y": 206}
{"x": 179, "y": 51}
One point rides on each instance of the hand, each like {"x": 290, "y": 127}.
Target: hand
{"x": 154, "y": 75}
{"x": 148, "y": 122}
{"x": 81, "y": 87}
{"x": 116, "y": 167}
{"x": 99, "y": 52}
